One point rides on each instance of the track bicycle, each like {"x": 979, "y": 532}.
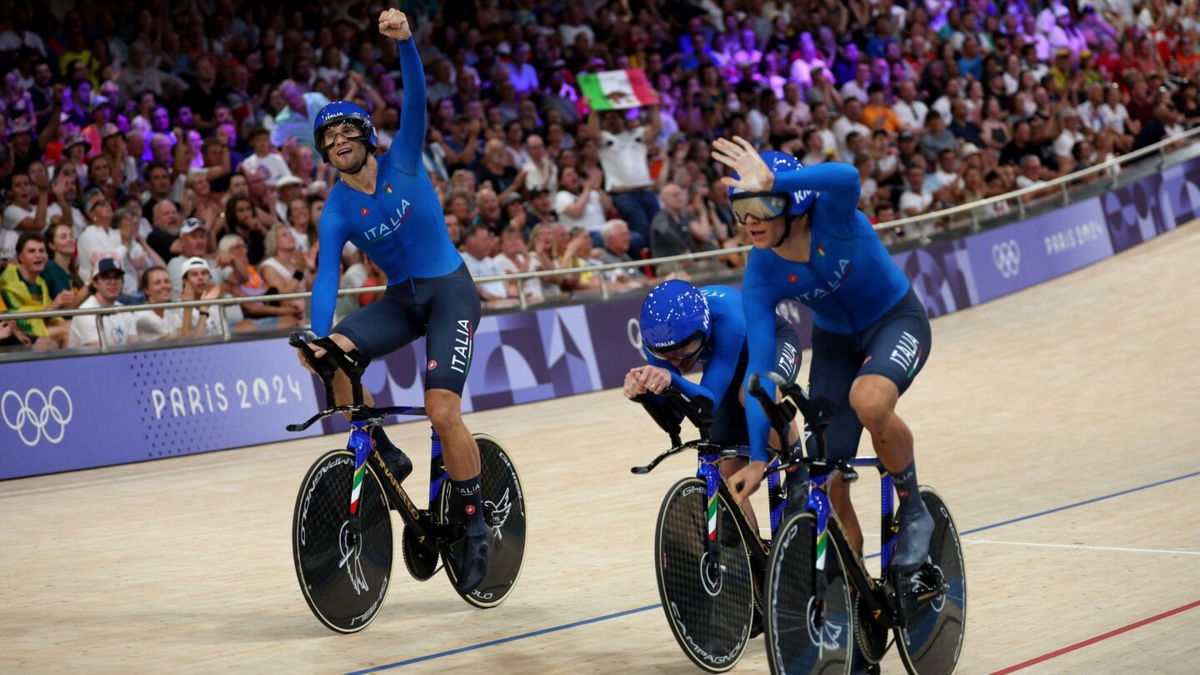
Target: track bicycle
{"x": 709, "y": 558}
{"x": 342, "y": 541}
{"x": 819, "y": 594}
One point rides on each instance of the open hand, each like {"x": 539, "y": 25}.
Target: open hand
{"x": 394, "y": 24}
{"x": 753, "y": 173}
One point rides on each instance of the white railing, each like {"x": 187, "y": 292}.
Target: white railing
{"x": 924, "y": 221}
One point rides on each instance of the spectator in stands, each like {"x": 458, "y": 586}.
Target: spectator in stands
{"x": 581, "y": 203}
{"x": 936, "y": 137}
{"x": 119, "y": 328}
{"x": 540, "y": 170}
{"x": 192, "y": 244}
{"x": 61, "y": 273}
{"x": 243, "y": 280}
{"x": 676, "y": 230}
{"x": 293, "y": 124}
{"x": 916, "y": 199}
{"x": 514, "y": 258}
{"x": 241, "y": 218}
{"x": 24, "y": 289}
{"x": 623, "y": 153}
{"x": 285, "y": 269}
{"x": 477, "y": 249}
{"x": 103, "y": 238}
{"x": 616, "y": 250}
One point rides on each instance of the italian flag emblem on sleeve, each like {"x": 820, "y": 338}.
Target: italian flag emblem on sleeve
{"x": 617, "y": 89}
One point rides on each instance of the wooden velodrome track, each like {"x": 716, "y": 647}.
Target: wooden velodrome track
{"x": 1059, "y": 423}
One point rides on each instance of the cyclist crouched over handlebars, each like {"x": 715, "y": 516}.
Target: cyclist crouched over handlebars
{"x": 683, "y": 327}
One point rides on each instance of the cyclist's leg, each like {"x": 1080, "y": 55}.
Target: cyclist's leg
{"x": 835, "y": 361}
{"x": 453, "y": 309}
{"x": 897, "y": 347}
{"x": 376, "y": 330}
{"x": 729, "y": 428}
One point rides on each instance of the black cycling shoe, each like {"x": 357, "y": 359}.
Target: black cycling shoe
{"x": 397, "y": 462}
{"x": 912, "y": 542}
{"x": 473, "y": 567}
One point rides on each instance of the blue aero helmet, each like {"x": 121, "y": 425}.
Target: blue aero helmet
{"x": 771, "y": 204}
{"x": 343, "y": 111}
{"x": 673, "y": 314}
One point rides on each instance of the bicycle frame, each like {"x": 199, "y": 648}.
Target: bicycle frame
{"x": 819, "y": 504}
{"x": 363, "y": 420}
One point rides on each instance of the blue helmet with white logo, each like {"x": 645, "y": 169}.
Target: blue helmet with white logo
{"x": 674, "y": 313}
{"x": 798, "y": 202}
{"x": 343, "y": 111}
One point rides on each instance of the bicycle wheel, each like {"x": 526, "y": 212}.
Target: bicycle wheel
{"x": 343, "y": 574}
{"x": 809, "y": 624}
{"x": 709, "y": 603}
{"x": 932, "y": 638}
{"x": 504, "y": 512}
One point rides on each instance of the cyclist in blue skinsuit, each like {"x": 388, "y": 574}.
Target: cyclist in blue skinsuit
{"x": 388, "y": 208}
{"x": 870, "y": 335}
{"x": 683, "y": 326}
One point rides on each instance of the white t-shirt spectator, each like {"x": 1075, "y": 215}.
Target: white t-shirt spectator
{"x": 485, "y": 268}
{"x": 843, "y": 126}
{"x": 592, "y": 218}
{"x": 151, "y": 326}
{"x": 13, "y": 215}
{"x": 911, "y": 115}
{"x": 78, "y": 222}
{"x": 119, "y": 328}
{"x": 530, "y": 288}
{"x": 1066, "y": 142}
{"x": 96, "y": 243}
{"x": 912, "y": 200}
{"x": 623, "y": 158}
{"x": 8, "y": 244}
{"x": 273, "y": 163}
{"x": 537, "y": 177}
{"x": 1114, "y": 117}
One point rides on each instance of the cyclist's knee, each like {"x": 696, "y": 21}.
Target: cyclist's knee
{"x": 444, "y": 409}
{"x": 345, "y": 343}
{"x": 873, "y": 406}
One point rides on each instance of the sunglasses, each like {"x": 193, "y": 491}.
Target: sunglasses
{"x": 683, "y": 351}
{"x": 347, "y": 130}
{"x": 761, "y": 205}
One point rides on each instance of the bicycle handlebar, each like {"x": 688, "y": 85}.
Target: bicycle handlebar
{"x": 326, "y": 366}
{"x": 816, "y": 412}
{"x": 698, "y": 411}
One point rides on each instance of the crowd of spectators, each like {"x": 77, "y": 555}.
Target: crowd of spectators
{"x": 154, "y": 151}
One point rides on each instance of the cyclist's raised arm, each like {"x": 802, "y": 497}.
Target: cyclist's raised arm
{"x": 759, "y": 302}
{"x": 405, "y": 154}
{"x": 838, "y": 184}
{"x": 332, "y": 237}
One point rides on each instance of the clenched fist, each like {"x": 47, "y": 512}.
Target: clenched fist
{"x": 394, "y": 24}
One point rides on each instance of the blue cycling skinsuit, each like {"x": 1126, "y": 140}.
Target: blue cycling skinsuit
{"x": 401, "y": 228}
{"x": 724, "y": 358}
{"x": 867, "y": 320}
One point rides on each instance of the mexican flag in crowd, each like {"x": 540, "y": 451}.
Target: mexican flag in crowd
{"x": 617, "y": 89}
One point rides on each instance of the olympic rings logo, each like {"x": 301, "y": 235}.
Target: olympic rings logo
{"x": 40, "y": 415}
{"x": 1007, "y": 257}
